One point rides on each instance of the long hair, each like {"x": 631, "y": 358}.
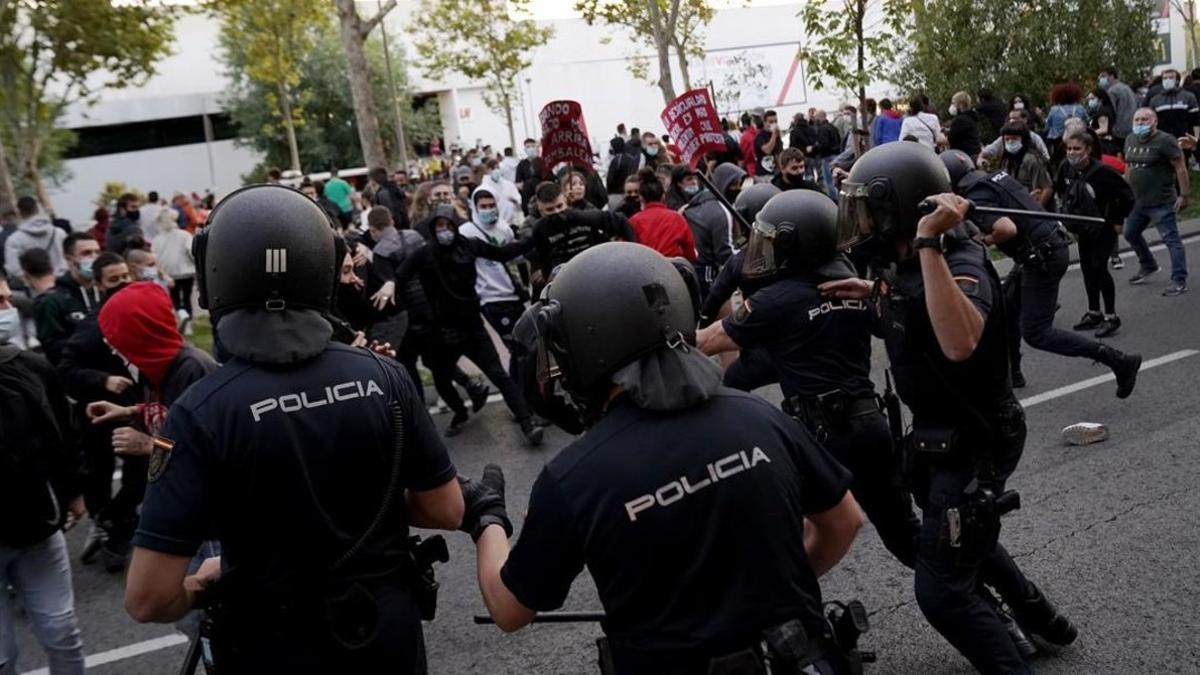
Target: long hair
{"x": 1065, "y": 93}
{"x": 1012, "y": 163}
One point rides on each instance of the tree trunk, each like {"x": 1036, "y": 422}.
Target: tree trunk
{"x": 360, "y": 85}
{"x": 512, "y": 134}
{"x": 39, "y": 187}
{"x": 681, "y": 59}
{"x": 857, "y": 140}
{"x": 289, "y": 125}
{"x": 662, "y": 44}
{"x": 8, "y": 196}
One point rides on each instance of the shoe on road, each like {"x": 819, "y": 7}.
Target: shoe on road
{"x": 1018, "y": 380}
{"x": 1084, "y": 433}
{"x": 1140, "y": 277}
{"x": 1124, "y": 366}
{"x": 533, "y": 434}
{"x": 1039, "y": 618}
{"x": 1109, "y": 327}
{"x": 478, "y": 394}
{"x": 1090, "y": 321}
{"x": 97, "y": 536}
{"x": 1174, "y": 290}
{"x": 456, "y": 423}
{"x": 1117, "y": 263}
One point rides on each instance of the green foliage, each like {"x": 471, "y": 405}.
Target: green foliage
{"x": 482, "y": 40}
{"x": 658, "y": 24}
{"x": 836, "y": 32}
{"x": 1025, "y": 46}
{"x": 113, "y": 190}
{"x": 328, "y": 135}
{"x": 54, "y": 53}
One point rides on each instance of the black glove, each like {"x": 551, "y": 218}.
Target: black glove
{"x": 484, "y": 499}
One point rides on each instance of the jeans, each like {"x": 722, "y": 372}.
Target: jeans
{"x": 1164, "y": 219}
{"x": 1039, "y": 302}
{"x": 827, "y": 177}
{"x": 41, "y": 576}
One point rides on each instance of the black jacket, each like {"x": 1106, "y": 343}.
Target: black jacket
{"x": 87, "y": 362}
{"x": 119, "y": 232}
{"x": 40, "y": 469}
{"x": 558, "y": 238}
{"x": 827, "y": 142}
{"x": 390, "y": 195}
{"x": 963, "y": 133}
{"x": 58, "y": 312}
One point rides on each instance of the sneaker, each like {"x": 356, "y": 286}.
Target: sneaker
{"x": 533, "y": 434}
{"x": 187, "y": 328}
{"x": 1109, "y": 327}
{"x": 1084, "y": 433}
{"x": 1018, "y": 380}
{"x": 478, "y": 393}
{"x": 97, "y": 536}
{"x": 1090, "y": 321}
{"x": 456, "y": 423}
{"x": 1117, "y": 262}
{"x": 1140, "y": 277}
{"x": 1174, "y": 290}
{"x": 1039, "y": 618}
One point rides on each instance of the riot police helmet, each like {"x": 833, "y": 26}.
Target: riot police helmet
{"x": 751, "y": 200}
{"x": 958, "y": 163}
{"x": 879, "y": 198}
{"x": 607, "y": 308}
{"x": 796, "y": 231}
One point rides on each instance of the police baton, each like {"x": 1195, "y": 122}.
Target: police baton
{"x": 724, "y": 202}
{"x": 928, "y": 206}
{"x": 551, "y": 617}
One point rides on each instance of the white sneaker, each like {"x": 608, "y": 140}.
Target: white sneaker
{"x": 1084, "y": 433}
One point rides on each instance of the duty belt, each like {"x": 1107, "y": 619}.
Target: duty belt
{"x": 830, "y": 411}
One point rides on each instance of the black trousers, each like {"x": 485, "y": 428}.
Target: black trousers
{"x": 181, "y": 293}
{"x": 418, "y": 345}
{"x": 503, "y": 316}
{"x": 116, "y": 513}
{"x": 1039, "y": 302}
{"x": 1094, "y": 251}
{"x": 473, "y": 342}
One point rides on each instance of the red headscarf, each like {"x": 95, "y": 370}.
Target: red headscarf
{"x": 139, "y": 322}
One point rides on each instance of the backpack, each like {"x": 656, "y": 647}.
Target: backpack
{"x": 1080, "y": 200}
{"x": 29, "y": 432}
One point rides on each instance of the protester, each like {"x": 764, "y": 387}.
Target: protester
{"x": 800, "y": 134}
{"x": 574, "y": 185}
{"x": 684, "y": 187}
{"x": 74, "y": 295}
{"x": 653, "y": 154}
{"x": 1101, "y": 118}
{"x": 500, "y": 296}
{"x": 992, "y": 113}
{"x": 714, "y": 229}
{"x": 921, "y": 125}
{"x": 658, "y": 226}
{"x": 767, "y": 146}
{"x": 887, "y": 124}
{"x": 1177, "y": 109}
{"x": 1065, "y": 99}
{"x": 793, "y": 168}
{"x": 630, "y": 202}
{"x": 995, "y": 149}
{"x": 34, "y": 231}
{"x": 173, "y": 249}
{"x": 1124, "y": 102}
{"x": 1033, "y": 117}
{"x": 560, "y": 233}
{"x": 126, "y": 226}
{"x": 1023, "y": 164}
{"x": 338, "y": 191}
{"x": 963, "y": 133}
{"x": 389, "y": 195}
{"x": 746, "y": 143}
{"x": 1159, "y": 178}
{"x": 99, "y": 228}
{"x": 508, "y": 197}
{"x": 827, "y": 145}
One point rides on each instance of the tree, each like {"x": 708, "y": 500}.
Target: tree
{"x": 1187, "y": 12}
{"x": 482, "y": 41}
{"x": 55, "y": 53}
{"x": 663, "y": 25}
{"x": 329, "y": 136}
{"x": 274, "y": 36}
{"x": 1025, "y": 46}
{"x": 354, "y": 32}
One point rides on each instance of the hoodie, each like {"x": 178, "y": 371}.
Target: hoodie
{"x": 493, "y": 283}
{"x": 712, "y": 224}
{"x": 886, "y": 127}
{"x": 36, "y": 232}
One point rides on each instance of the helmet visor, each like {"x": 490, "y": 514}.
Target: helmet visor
{"x": 760, "y": 251}
{"x": 549, "y": 372}
{"x": 855, "y": 222}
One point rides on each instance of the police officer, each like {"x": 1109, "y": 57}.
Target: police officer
{"x": 821, "y": 350}
{"x": 307, "y": 459}
{"x": 943, "y": 326}
{"x": 1039, "y": 246}
{"x": 666, "y": 499}
{"x": 753, "y": 368}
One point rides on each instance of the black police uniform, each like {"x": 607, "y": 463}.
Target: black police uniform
{"x": 968, "y": 432}
{"x": 696, "y": 551}
{"x": 1040, "y": 248}
{"x": 753, "y": 368}
{"x": 821, "y": 350}
{"x": 287, "y": 466}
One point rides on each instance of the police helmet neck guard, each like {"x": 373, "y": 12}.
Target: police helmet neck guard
{"x": 958, "y": 164}
{"x": 879, "y": 199}
{"x": 796, "y": 231}
{"x": 266, "y": 247}
{"x": 751, "y": 200}
{"x": 607, "y": 308}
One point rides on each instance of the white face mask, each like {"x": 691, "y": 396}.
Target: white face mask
{"x": 1169, "y": 84}
{"x": 495, "y": 174}
{"x": 10, "y": 320}
{"x": 1019, "y": 105}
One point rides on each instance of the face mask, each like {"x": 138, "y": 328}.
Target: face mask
{"x": 1077, "y": 162}
{"x": 445, "y": 237}
{"x": 1142, "y": 130}
{"x": 652, "y": 151}
{"x": 475, "y": 161}
{"x": 85, "y": 268}
{"x": 1018, "y": 105}
{"x": 953, "y": 109}
{"x": 489, "y": 216}
{"x": 133, "y": 214}
{"x": 1168, "y": 85}
{"x": 690, "y": 189}
{"x": 1103, "y": 82}
{"x": 115, "y": 289}
{"x": 1012, "y": 147}
{"x": 149, "y": 273}
{"x": 1093, "y": 104}
{"x": 772, "y": 127}
{"x": 9, "y": 321}
{"x": 531, "y": 152}
{"x": 495, "y": 174}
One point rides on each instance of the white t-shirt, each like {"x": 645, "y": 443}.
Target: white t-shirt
{"x": 492, "y": 283}
{"x": 923, "y": 126}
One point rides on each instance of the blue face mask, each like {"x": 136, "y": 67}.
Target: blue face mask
{"x": 10, "y": 320}
{"x": 488, "y": 216}
{"x": 1142, "y": 130}
{"x": 85, "y": 268}
{"x": 1103, "y": 82}
{"x": 1012, "y": 147}
{"x": 445, "y": 237}
{"x": 652, "y": 150}
{"x": 690, "y": 190}
{"x": 1093, "y": 104}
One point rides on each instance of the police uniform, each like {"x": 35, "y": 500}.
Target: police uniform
{"x": 286, "y": 468}
{"x": 821, "y": 350}
{"x": 695, "y": 552}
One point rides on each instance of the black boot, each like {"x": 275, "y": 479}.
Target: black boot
{"x": 478, "y": 393}
{"x": 533, "y": 434}
{"x": 1020, "y": 640}
{"x": 456, "y": 423}
{"x": 1039, "y": 617}
{"x": 1124, "y": 366}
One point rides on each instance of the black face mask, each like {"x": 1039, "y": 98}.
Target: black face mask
{"x": 794, "y": 179}
{"x": 132, "y": 214}
{"x": 113, "y": 291}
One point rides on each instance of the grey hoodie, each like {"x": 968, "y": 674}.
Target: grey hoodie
{"x": 712, "y": 224}
{"x": 36, "y": 232}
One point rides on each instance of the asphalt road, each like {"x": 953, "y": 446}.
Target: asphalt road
{"x": 1109, "y": 531}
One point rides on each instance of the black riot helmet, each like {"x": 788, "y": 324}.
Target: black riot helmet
{"x": 608, "y": 307}
{"x": 958, "y": 164}
{"x": 879, "y": 198}
{"x": 751, "y": 200}
{"x": 795, "y": 232}
{"x": 266, "y": 247}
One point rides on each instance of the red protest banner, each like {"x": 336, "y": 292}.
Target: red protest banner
{"x": 564, "y": 135}
{"x": 693, "y": 124}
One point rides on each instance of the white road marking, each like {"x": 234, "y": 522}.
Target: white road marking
{"x": 1101, "y": 379}
{"x": 126, "y": 652}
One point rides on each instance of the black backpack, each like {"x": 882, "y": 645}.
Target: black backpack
{"x": 1080, "y": 200}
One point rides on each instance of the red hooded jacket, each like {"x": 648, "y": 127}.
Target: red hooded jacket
{"x": 664, "y": 230}
{"x": 139, "y": 323}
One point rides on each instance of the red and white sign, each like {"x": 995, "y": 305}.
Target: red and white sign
{"x": 692, "y": 122}
{"x": 564, "y": 135}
